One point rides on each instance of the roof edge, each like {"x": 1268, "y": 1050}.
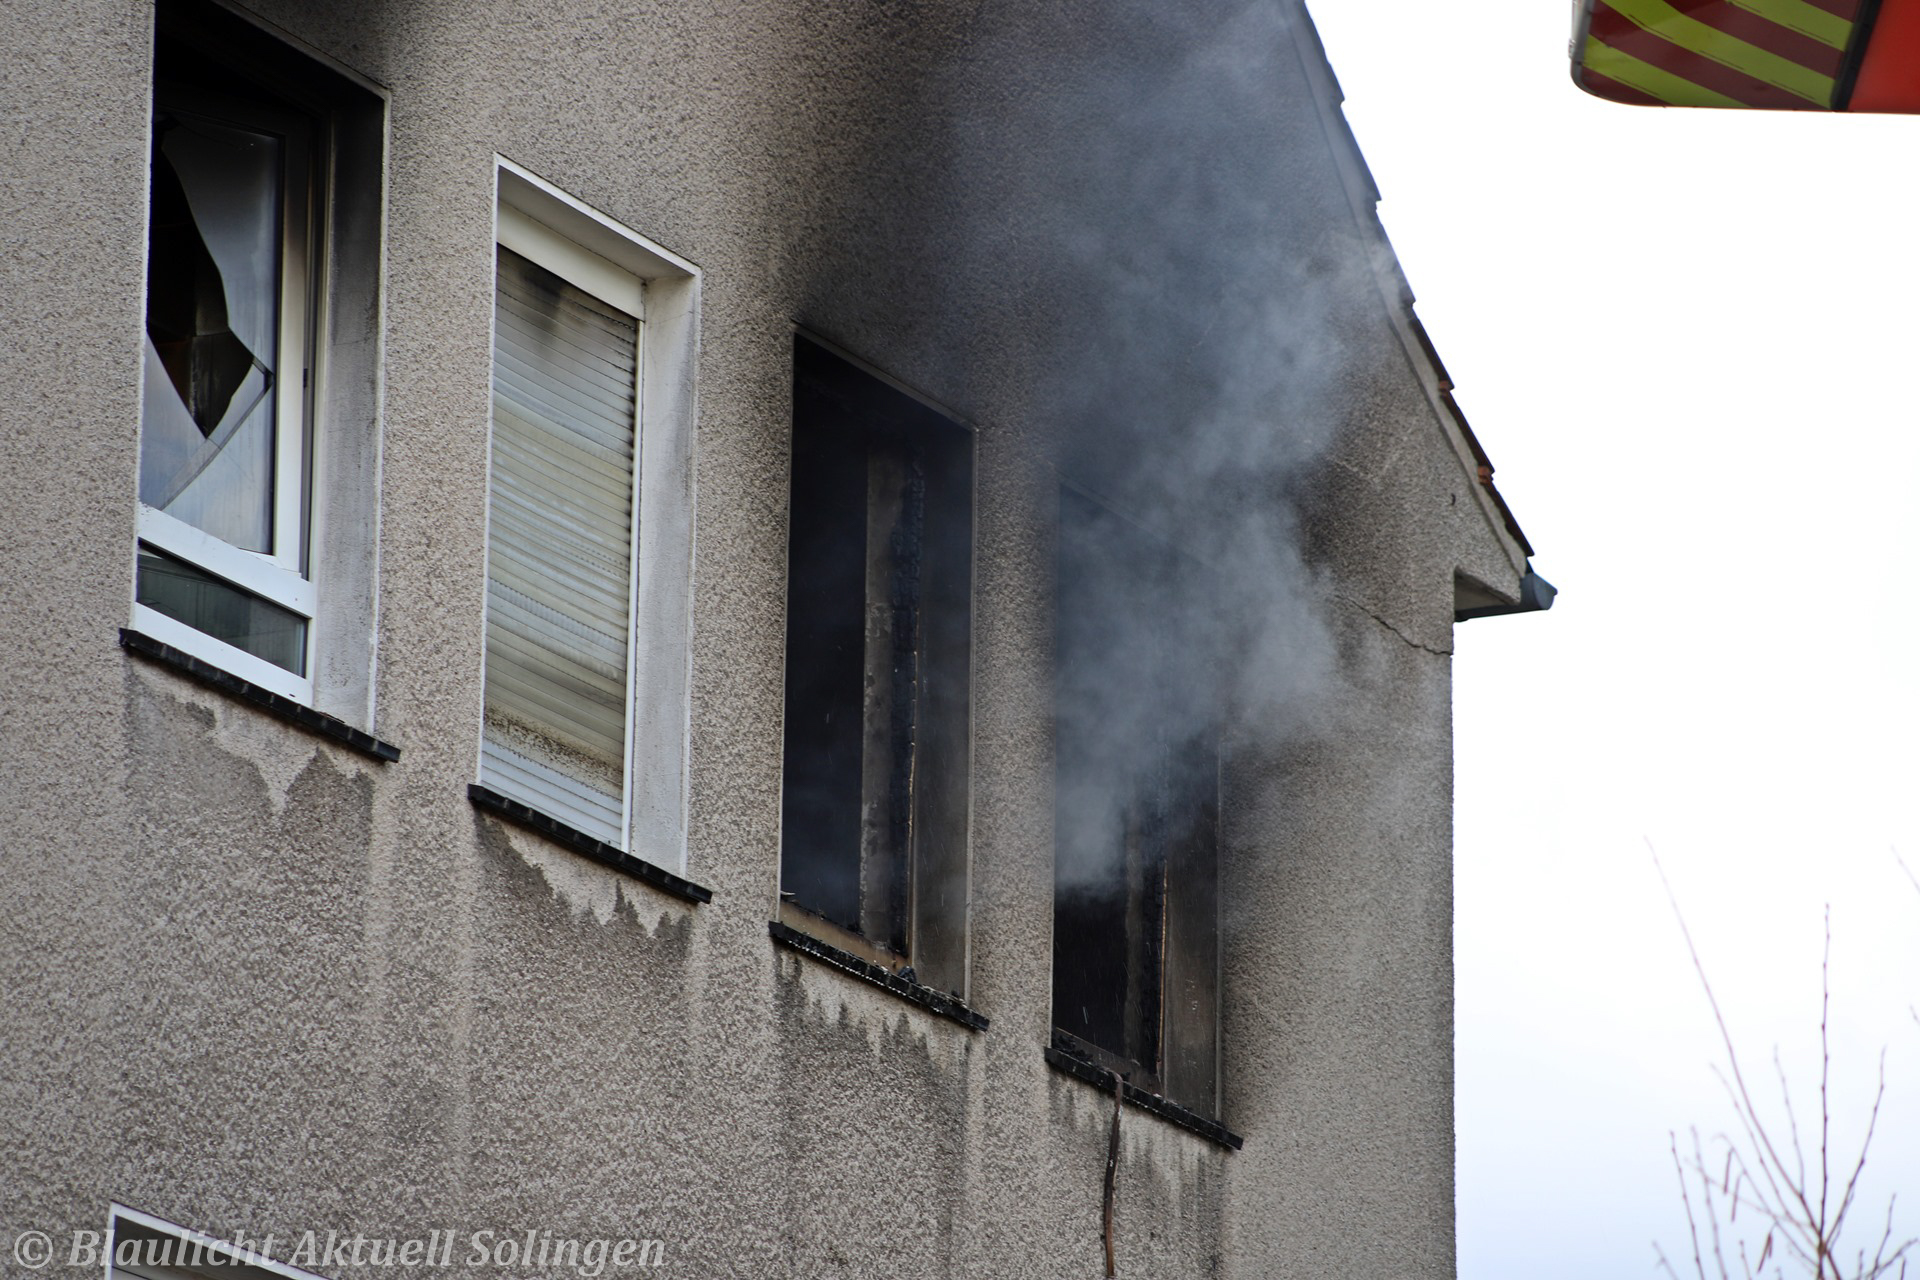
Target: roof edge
{"x": 1363, "y": 197}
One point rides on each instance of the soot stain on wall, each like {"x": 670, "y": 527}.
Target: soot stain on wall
{"x": 614, "y": 1106}
{"x": 897, "y": 1109}
{"x": 243, "y": 931}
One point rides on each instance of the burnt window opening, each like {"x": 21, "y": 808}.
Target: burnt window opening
{"x": 1136, "y": 938}
{"x": 879, "y": 592}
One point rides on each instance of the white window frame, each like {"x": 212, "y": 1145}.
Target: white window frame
{"x": 247, "y": 1266}
{"x": 325, "y": 563}
{"x": 279, "y": 577}
{"x": 620, "y": 289}
{"x": 539, "y": 221}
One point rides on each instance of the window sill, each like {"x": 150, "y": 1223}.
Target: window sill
{"x": 586, "y": 846}
{"x": 336, "y": 730}
{"x": 926, "y": 997}
{"x": 1063, "y": 1059}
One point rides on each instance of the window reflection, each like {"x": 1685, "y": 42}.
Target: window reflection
{"x": 241, "y": 619}
{"x": 213, "y": 304}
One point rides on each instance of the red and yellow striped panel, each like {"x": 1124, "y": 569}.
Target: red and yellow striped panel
{"x": 1795, "y": 55}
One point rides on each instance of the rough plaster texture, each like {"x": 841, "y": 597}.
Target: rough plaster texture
{"x": 253, "y": 982}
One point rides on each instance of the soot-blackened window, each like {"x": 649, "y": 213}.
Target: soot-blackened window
{"x": 1136, "y": 955}
{"x": 879, "y": 585}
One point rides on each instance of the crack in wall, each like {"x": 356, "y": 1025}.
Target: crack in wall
{"x": 1417, "y": 644}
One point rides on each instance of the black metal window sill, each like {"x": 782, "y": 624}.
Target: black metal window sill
{"x": 336, "y": 730}
{"x": 1080, "y": 1068}
{"x": 586, "y": 846}
{"x": 926, "y": 997}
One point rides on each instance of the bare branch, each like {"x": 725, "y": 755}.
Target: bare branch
{"x": 1860, "y": 1165}
{"x": 1826, "y": 1064}
{"x": 1793, "y": 1121}
{"x": 1805, "y": 1210}
{"x": 1686, "y": 1201}
{"x": 1750, "y": 1116}
{"x": 1913, "y": 879}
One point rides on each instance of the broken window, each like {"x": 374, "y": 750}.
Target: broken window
{"x": 223, "y": 436}
{"x": 1136, "y": 876}
{"x": 209, "y": 433}
{"x": 262, "y": 165}
{"x": 879, "y": 569}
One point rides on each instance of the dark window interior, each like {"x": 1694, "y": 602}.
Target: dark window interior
{"x": 879, "y": 554}
{"x": 1136, "y": 937}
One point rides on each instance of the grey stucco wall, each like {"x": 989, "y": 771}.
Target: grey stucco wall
{"x": 252, "y": 982}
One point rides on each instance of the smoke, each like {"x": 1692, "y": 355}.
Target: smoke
{"x": 1205, "y": 278}
{"x": 1138, "y": 259}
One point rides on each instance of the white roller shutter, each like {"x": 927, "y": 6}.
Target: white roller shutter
{"x": 560, "y": 548}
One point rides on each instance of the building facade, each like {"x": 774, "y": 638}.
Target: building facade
{"x": 813, "y": 637}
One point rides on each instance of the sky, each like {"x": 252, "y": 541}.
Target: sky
{"x": 1687, "y": 340}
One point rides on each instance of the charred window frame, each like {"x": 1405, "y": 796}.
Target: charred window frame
{"x": 874, "y": 800}
{"x": 1136, "y": 929}
{"x": 258, "y": 433}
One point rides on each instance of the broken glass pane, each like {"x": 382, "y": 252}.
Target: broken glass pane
{"x": 223, "y": 611}
{"x": 213, "y": 309}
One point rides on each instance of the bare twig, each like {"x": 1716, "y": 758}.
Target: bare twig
{"x": 1805, "y": 1212}
{"x": 1912, "y": 1010}
{"x": 1826, "y": 1067}
{"x": 1793, "y": 1121}
{"x": 1743, "y": 1099}
{"x": 1693, "y": 1227}
{"x": 1911, "y": 878}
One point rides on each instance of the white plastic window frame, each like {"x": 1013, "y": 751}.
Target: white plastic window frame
{"x": 329, "y": 572}
{"x": 541, "y": 222}
{"x": 280, "y": 577}
{"x": 215, "y": 1256}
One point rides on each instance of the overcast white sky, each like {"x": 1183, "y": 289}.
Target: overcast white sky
{"x": 1689, "y": 341}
